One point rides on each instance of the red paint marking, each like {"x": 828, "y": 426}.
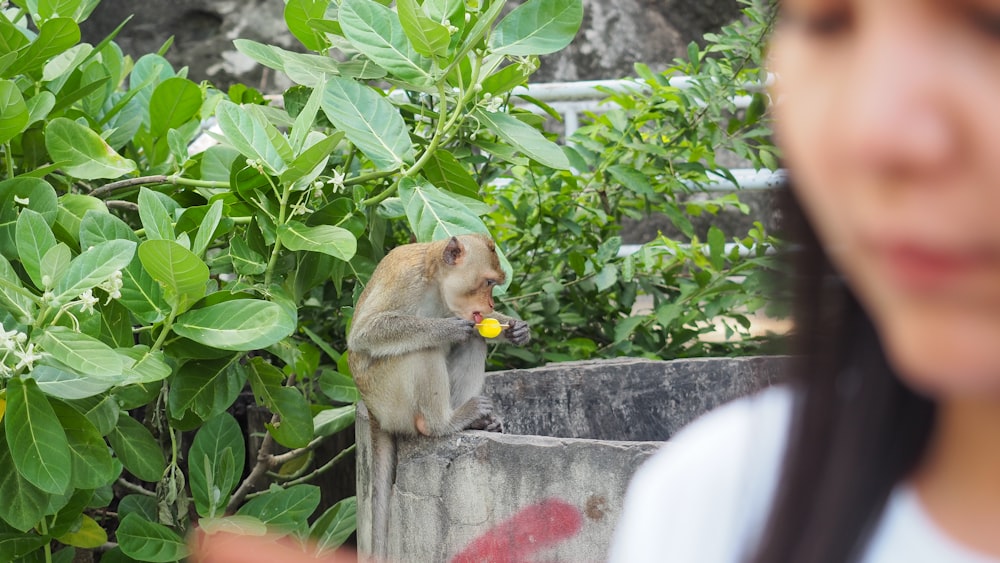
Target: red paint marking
{"x": 531, "y": 530}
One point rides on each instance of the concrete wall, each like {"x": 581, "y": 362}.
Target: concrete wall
{"x": 551, "y": 488}
{"x": 615, "y": 35}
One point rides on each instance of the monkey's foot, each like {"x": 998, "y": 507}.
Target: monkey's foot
{"x": 488, "y": 422}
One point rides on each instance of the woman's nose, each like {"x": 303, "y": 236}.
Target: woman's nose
{"x": 898, "y": 115}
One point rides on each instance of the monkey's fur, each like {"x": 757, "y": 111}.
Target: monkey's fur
{"x": 414, "y": 351}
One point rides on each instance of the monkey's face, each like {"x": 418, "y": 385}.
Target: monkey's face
{"x": 472, "y": 271}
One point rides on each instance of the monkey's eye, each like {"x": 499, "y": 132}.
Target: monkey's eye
{"x": 490, "y": 282}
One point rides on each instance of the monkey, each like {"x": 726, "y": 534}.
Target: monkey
{"x": 416, "y": 356}
{"x": 413, "y": 348}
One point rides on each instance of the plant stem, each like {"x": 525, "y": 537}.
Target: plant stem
{"x": 167, "y": 325}
{"x": 324, "y": 468}
{"x": 282, "y": 216}
{"x": 108, "y": 189}
{"x": 9, "y": 159}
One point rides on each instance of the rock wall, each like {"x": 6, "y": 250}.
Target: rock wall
{"x": 615, "y": 35}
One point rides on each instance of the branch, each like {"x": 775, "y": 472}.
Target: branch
{"x": 119, "y": 204}
{"x": 107, "y": 189}
{"x": 260, "y": 469}
{"x": 135, "y": 488}
{"x": 326, "y": 467}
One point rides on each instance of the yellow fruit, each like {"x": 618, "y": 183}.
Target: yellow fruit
{"x": 490, "y": 328}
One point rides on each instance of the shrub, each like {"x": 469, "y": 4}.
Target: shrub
{"x": 142, "y": 287}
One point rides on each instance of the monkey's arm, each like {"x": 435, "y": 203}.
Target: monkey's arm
{"x": 517, "y": 332}
{"x": 394, "y": 334}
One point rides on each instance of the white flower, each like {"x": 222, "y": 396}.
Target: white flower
{"x": 22, "y": 200}
{"x": 493, "y": 103}
{"x": 7, "y": 339}
{"x": 27, "y": 357}
{"x": 87, "y": 301}
{"x": 338, "y": 180}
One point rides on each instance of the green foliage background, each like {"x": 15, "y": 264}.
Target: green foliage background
{"x": 144, "y": 286}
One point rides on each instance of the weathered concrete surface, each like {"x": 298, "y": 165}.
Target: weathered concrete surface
{"x": 551, "y": 488}
{"x": 614, "y": 36}
{"x": 624, "y": 399}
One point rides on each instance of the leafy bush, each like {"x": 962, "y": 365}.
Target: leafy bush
{"x": 647, "y": 153}
{"x": 142, "y": 287}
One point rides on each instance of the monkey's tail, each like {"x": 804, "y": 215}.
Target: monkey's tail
{"x": 384, "y": 477}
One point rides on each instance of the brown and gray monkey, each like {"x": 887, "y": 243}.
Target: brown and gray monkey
{"x": 414, "y": 351}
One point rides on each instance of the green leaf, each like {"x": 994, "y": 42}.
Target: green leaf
{"x": 219, "y": 435}
{"x": 435, "y": 215}
{"x": 72, "y": 208}
{"x": 13, "y": 297}
{"x": 88, "y": 535}
{"x": 91, "y": 461}
{"x": 298, "y": 14}
{"x": 55, "y": 261}
{"x": 64, "y": 384}
{"x": 38, "y": 443}
{"x": 14, "y": 115}
{"x": 327, "y": 239}
{"x": 147, "y": 541}
{"x": 338, "y": 387}
{"x": 23, "y": 504}
{"x": 370, "y": 122}
{"x": 82, "y": 153}
{"x": 14, "y": 546}
{"x": 249, "y": 136}
{"x": 428, "y": 37}
{"x": 283, "y": 508}
{"x": 14, "y": 192}
{"x": 174, "y": 102}
{"x": 55, "y": 36}
{"x": 376, "y": 32}
{"x": 716, "y": 247}
{"x": 240, "y": 325}
{"x": 136, "y": 448}
{"x": 34, "y": 239}
{"x": 632, "y": 179}
{"x": 446, "y": 172}
{"x": 206, "y": 231}
{"x": 143, "y": 365}
{"x": 99, "y": 226}
{"x": 296, "y": 428}
{"x": 205, "y": 387}
{"x": 331, "y": 421}
{"x": 332, "y": 529}
{"x": 101, "y": 411}
{"x": 312, "y": 161}
{"x": 524, "y": 137}
{"x": 92, "y": 267}
{"x": 40, "y": 105}
{"x": 181, "y": 273}
{"x": 156, "y": 220}
{"x": 83, "y": 353}
{"x": 142, "y": 295}
{"x": 537, "y": 27}
{"x": 246, "y": 262}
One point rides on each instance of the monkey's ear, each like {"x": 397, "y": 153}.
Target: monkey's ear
{"x": 453, "y": 252}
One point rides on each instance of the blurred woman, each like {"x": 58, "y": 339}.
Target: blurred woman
{"x": 885, "y": 443}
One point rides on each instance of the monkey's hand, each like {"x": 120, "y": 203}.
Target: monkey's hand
{"x": 518, "y": 333}
{"x": 459, "y": 330}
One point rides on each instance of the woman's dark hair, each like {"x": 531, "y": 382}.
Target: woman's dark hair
{"x": 856, "y": 430}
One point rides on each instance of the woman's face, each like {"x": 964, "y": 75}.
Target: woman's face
{"x": 888, "y": 113}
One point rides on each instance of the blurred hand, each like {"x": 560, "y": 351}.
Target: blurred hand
{"x": 225, "y": 547}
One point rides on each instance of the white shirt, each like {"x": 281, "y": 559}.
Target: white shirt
{"x": 705, "y": 496}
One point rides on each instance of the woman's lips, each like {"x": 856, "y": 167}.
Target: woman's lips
{"x": 921, "y": 268}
